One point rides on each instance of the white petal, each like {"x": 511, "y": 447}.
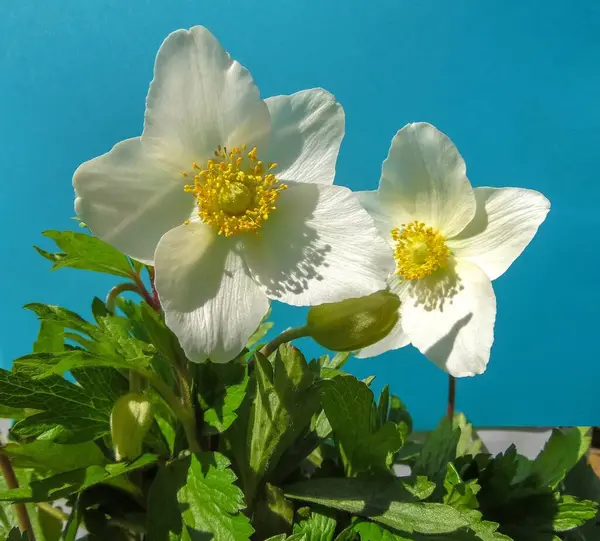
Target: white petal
{"x": 396, "y": 339}
{"x": 319, "y": 246}
{"x": 506, "y": 221}
{"x": 200, "y": 98}
{"x": 373, "y": 204}
{"x": 210, "y": 301}
{"x": 424, "y": 178}
{"x": 306, "y": 132}
{"x": 130, "y": 199}
{"x": 451, "y": 320}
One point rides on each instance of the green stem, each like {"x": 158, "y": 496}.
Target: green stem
{"x": 184, "y": 414}
{"x": 111, "y": 298}
{"x": 53, "y": 511}
{"x": 283, "y": 338}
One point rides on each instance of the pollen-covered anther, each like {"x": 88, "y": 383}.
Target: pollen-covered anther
{"x": 419, "y": 251}
{"x": 234, "y": 193}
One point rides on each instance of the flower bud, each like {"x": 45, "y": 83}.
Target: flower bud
{"x": 130, "y": 421}
{"x": 354, "y": 323}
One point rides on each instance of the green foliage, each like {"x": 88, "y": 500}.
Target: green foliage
{"x": 258, "y": 448}
{"x": 368, "y": 442}
{"x": 82, "y": 251}
{"x": 194, "y": 497}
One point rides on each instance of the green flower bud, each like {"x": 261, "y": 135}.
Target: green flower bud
{"x": 354, "y": 323}
{"x": 130, "y": 421}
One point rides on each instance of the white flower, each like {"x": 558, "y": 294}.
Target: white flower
{"x": 449, "y": 242}
{"x": 231, "y": 198}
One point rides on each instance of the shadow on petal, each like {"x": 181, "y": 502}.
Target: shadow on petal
{"x": 435, "y": 291}
{"x": 288, "y": 253}
{"x": 441, "y": 350}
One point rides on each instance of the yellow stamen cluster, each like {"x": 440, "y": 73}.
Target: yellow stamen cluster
{"x": 420, "y": 251}
{"x": 234, "y": 192}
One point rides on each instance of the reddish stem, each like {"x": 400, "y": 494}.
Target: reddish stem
{"x": 145, "y": 293}
{"x": 20, "y": 510}
{"x": 451, "y": 397}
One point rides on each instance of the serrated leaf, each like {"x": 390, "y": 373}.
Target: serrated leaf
{"x": 57, "y": 364}
{"x": 82, "y": 251}
{"x": 221, "y": 391}
{"x": 195, "y": 496}
{"x": 111, "y": 337}
{"x": 469, "y": 442}
{"x": 64, "y": 484}
{"x": 319, "y": 526}
{"x": 349, "y": 406}
{"x": 458, "y": 493}
{"x": 563, "y": 450}
{"x": 398, "y": 413}
{"x": 384, "y": 501}
{"x": 437, "y": 451}
{"x": 572, "y": 513}
{"x": 280, "y": 404}
{"x": 58, "y": 400}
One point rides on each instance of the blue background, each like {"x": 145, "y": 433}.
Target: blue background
{"x": 515, "y": 84}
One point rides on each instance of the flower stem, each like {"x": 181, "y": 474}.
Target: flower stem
{"x": 145, "y": 293}
{"x": 111, "y": 298}
{"x": 10, "y": 478}
{"x": 283, "y": 338}
{"x": 184, "y": 414}
{"x": 53, "y": 511}
{"x": 451, "y": 396}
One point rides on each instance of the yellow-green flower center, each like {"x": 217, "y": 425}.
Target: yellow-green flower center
{"x": 419, "y": 251}
{"x": 234, "y": 192}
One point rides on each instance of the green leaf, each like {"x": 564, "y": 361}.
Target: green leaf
{"x": 383, "y": 406}
{"x": 52, "y": 364}
{"x": 319, "y": 526}
{"x": 50, "y": 456}
{"x": 16, "y": 535}
{"x": 273, "y": 513}
{"x": 438, "y": 450}
{"x": 583, "y": 483}
{"x": 280, "y": 404}
{"x": 65, "y": 484}
{"x": 50, "y": 526}
{"x": 111, "y": 337}
{"x": 161, "y": 336}
{"x": 73, "y": 522}
{"x": 459, "y": 494}
{"x": 51, "y": 338}
{"x": 350, "y": 408}
{"x": 572, "y": 513}
{"x": 14, "y": 413}
{"x": 221, "y": 391}
{"x": 82, "y": 251}
{"x": 469, "y": 442}
{"x": 197, "y": 495}
{"x": 370, "y": 531}
{"x": 383, "y": 500}
{"x": 261, "y": 332}
{"x": 563, "y": 450}
{"x": 74, "y": 413}
{"x": 59, "y": 400}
